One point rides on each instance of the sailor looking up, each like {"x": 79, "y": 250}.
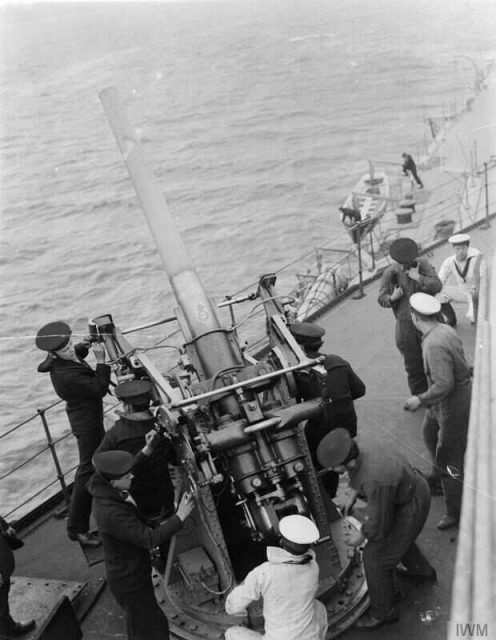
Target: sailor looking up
{"x": 463, "y": 267}
{"x": 83, "y": 389}
{"x": 398, "y": 502}
{"x": 336, "y": 383}
{"x": 406, "y": 276}
{"x": 287, "y": 582}
{"x": 447, "y": 400}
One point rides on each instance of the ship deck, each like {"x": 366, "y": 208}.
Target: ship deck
{"x": 362, "y": 332}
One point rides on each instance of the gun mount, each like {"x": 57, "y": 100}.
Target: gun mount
{"x": 236, "y": 425}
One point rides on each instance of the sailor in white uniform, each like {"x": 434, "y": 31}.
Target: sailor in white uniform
{"x": 287, "y": 582}
{"x": 464, "y": 268}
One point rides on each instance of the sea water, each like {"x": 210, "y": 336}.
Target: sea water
{"x": 257, "y": 118}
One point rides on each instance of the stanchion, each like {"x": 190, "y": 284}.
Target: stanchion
{"x": 486, "y": 224}
{"x": 372, "y": 251}
{"x": 360, "y": 293}
{"x": 51, "y": 446}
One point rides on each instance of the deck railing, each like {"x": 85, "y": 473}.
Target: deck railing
{"x": 34, "y": 461}
{"x": 473, "y": 609}
{"x": 446, "y": 207}
{"x": 480, "y": 213}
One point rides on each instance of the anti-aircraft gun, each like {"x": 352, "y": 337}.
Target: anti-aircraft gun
{"x": 236, "y": 426}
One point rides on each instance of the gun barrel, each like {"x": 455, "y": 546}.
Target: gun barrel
{"x": 197, "y": 309}
{"x": 198, "y": 316}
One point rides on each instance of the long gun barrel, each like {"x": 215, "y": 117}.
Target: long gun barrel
{"x": 197, "y": 314}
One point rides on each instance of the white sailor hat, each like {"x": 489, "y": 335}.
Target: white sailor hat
{"x": 298, "y": 529}
{"x": 459, "y": 238}
{"x": 425, "y": 304}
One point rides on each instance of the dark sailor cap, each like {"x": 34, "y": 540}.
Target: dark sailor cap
{"x": 53, "y": 336}
{"x": 334, "y": 448}
{"x": 113, "y": 464}
{"x": 134, "y": 391}
{"x": 403, "y": 250}
{"x": 306, "y": 332}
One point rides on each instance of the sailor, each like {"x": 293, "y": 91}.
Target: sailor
{"x": 151, "y": 486}
{"x": 398, "y": 501}
{"x": 406, "y": 276}
{"x": 351, "y": 216}
{"x": 83, "y": 389}
{"x": 464, "y": 268}
{"x": 137, "y": 433}
{"x": 9, "y": 628}
{"x": 409, "y": 166}
{"x": 288, "y": 583}
{"x": 336, "y": 383}
{"x": 447, "y": 400}
{"x": 127, "y": 541}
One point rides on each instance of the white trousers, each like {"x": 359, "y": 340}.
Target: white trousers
{"x": 242, "y": 633}
{"x": 319, "y": 631}
{"x": 452, "y": 293}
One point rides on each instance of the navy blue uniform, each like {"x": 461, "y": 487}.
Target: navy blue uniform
{"x": 151, "y": 486}
{"x": 398, "y": 501}
{"x": 410, "y": 166}
{"x": 7, "y": 565}
{"x": 127, "y": 542}
{"x": 341, "y": 385}
{"x": 408, "y": 339}
{"x": 83, "y": 389}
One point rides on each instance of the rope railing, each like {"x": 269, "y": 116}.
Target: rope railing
{"x": 64, "y": 437}
{"x": 28, "y": 420}
{"x": 33, "y": 496}
{"x": 432, "y": 212}
{"x": 24, "y": 463}
{"x": 51, "y": 446}
{"x": 320, "y": 299}
{"x": 35, "y": 416}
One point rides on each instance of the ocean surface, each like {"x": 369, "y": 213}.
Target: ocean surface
{"x": 257, "y": 119}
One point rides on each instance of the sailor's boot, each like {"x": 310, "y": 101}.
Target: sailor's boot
{"x": 452, "y": 489}
{"x": 430, "y": 432}
{"x": 448, "y": 314}
{"x": 435, "y": 486}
